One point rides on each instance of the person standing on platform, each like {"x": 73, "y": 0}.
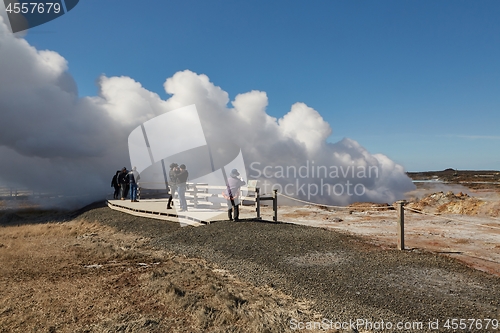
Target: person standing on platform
{"x": 232, "y": 195}
{"x": 122, "y": 180}
{"x": 116, "y": 185}
{"x": 172, "y": 182}
{"x": 132, "y": 181}
{"x": 182, "y": 176}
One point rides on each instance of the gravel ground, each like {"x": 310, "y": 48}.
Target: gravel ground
{"x": 345, "y": 277}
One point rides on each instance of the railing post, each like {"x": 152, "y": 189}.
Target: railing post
{"x": 257, "y": 202}
{"x": 275, "y": 205}
{"x": 401, "y": 224}
{"x": 138, "y": 192}
{"x": 195, "y": 196}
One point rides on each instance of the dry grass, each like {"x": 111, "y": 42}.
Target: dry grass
{"x": 85, "y": 277}
{"x": 462, "y": 241}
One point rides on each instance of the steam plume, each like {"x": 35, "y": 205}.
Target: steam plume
{"x": 52, "y": 140}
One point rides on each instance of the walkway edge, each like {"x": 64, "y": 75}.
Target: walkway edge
{"x": 158, "y": 215}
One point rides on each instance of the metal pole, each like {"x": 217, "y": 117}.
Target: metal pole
{"x": 401, "y": 224}
{"x": 257, "y": 202}
{"x": 275, "y": 205}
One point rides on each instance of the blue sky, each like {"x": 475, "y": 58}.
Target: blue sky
{"x": 418, "y": 81}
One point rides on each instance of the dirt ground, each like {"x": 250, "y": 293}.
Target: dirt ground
{"x": 450, "y": 219}
{"x": 106, "y": 271}
{"x": 82, "y": 276}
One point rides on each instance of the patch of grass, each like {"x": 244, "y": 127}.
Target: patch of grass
{"x": 82, "y": 276}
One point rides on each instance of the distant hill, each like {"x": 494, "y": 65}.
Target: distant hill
{"x": 476, "y": 179}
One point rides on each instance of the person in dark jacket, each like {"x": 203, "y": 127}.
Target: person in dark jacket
{"x": 123, "y": 181}
{"x": 182, "y": 176}
{"x": 133, "y": 177}
{"x": 172, "y": 182}
{"x": 232, "y": 194}
{"x": 116, "y": 185}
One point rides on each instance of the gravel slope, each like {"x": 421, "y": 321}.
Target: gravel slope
{"x": 346, "y": 278}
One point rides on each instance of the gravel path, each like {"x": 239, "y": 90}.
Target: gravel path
{"x": 345, "y": 277}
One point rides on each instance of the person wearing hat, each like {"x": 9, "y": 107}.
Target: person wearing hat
{"x": 232, "y": 194}
{"x": 172, "y": 182}
{"x": 182, "y": 177}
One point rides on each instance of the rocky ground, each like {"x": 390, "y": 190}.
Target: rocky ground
{"x": 99, "y": 270}
{"x": 463, "y": 225}
{"x": 456, "y": 203}
{"x": 486, "y": 179}
{"x": 65, "y": 272}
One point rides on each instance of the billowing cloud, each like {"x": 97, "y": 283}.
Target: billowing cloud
{"x": 291, "y": 153}
{"x": 305, "y": 125}
{"x": 52, "y": 140}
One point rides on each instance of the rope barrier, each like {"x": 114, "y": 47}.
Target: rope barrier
{"x": 406, "y": 208}
{"x": 330, "y": 206}
{"x": 450, "y": 218}
{"x": 311, "y": 203}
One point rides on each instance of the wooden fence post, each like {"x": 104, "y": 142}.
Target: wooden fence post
{"x": 401, "y": 224}
{"x": 275, "y": 205}
{"x": 257, "y": 202}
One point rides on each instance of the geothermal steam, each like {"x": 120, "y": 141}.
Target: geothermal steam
{"x": 52, "y": 140}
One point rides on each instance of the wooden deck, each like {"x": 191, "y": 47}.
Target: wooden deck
{"x": 157, "y": 209}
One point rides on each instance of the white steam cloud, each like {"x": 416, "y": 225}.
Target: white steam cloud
{"x": 51, "y": 140}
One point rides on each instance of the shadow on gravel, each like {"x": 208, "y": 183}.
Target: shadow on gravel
{"x": 25, "y": 216}
{"x": 252, "y": 220}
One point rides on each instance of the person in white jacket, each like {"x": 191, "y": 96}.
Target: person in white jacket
{"x": 232, "y": 194}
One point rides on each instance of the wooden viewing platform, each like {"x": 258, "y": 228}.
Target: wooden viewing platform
{"x": 157, "y": 209}
{"x": 203, "y": 207}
